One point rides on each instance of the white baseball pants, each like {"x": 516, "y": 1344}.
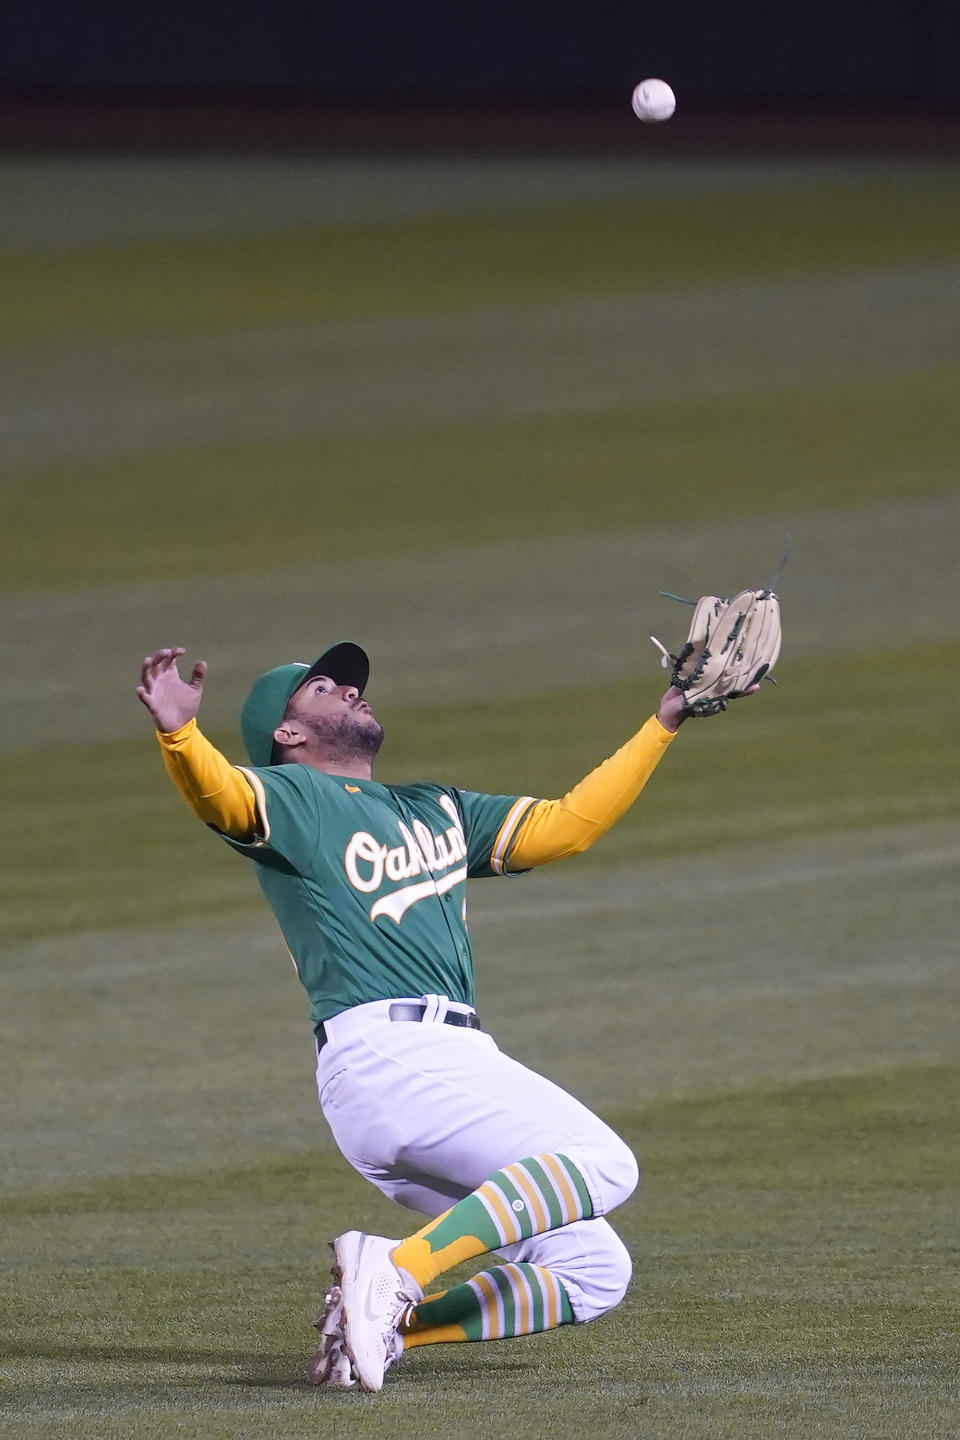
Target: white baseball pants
{"x": 429, "y": 1111}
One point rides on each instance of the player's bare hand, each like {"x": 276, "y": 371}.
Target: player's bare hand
{"x": 171, "y": 700}
{"x": 671, "y": 713}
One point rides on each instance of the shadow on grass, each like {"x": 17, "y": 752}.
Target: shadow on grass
{"x": 280, "y": 1372}
{"x": 426, "y": 1372}
{"x": 282, "y": 1376}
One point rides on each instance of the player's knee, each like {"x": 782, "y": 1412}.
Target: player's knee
{"x": 609, "y": 1166}
{"x": 625, "y": 1175}
{"x": 617, "y": 1273}
{"x": 617, "y": 1172}
{"x": 602, "y": 1280}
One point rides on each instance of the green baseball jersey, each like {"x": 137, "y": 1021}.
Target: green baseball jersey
{"x": 368, "y": 881}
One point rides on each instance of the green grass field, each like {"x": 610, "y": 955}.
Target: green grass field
{"x": 476, "y": 414}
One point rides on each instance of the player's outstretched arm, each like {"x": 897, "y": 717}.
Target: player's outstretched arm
{"x": 216, "y": 792}
{"x": 171, "y": 700}
{"x": 555, "y": 828}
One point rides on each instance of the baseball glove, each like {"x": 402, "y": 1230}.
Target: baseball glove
{"x": 732, "y": 645}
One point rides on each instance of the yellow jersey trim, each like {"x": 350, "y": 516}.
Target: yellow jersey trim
{"x": 260, "y": 795}
{"x": 498, "y": 855}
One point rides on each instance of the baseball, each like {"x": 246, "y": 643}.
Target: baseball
{"x": 653, "y": 100}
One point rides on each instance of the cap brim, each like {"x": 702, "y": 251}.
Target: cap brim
{"x": 345, "y": 664}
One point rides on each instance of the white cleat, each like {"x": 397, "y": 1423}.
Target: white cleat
{"x": 375, "y": 1297}
{"x": 331, "y": 1364}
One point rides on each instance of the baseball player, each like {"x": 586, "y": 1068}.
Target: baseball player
{"x": 368, "y": 884}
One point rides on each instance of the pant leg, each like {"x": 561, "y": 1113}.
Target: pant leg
{"x": 588, "y": 1258}
{"x": 443, "y": 1108}
{"x": 428, "y": 1113}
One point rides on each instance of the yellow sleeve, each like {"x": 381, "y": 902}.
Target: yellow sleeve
{"x": 554, "y": 828}
{"x": 215, "y": 791}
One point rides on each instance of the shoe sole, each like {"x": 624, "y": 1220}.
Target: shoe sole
{"x": 319, "y": 1369}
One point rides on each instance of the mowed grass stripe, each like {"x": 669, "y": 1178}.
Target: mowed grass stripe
{"x": 279, "y": 382}
{"x": 578, "y": 609}
{"x": 842, "y": 1115}
{"x": 792, "y": 1252}
{"x": 50, "y": 203}
{"x": 407, "y": 488}
{"x": 437, "y": 263}
{"x": 820, "y": 755}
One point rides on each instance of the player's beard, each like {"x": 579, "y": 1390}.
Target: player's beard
{"x": 355, "y": 735}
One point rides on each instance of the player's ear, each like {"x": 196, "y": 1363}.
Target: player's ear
{"x": 290, "y": 733}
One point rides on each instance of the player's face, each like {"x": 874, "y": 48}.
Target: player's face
{"x": 337, "y": 717}
{"x": 323, "y": 696}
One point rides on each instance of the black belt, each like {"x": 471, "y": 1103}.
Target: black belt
{"x": 402, "y": 1010}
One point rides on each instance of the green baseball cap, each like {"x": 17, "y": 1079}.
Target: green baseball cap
{"x": 264, "y": 707}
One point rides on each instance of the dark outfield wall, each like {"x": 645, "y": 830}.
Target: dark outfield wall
{"x": 728, "y": 49}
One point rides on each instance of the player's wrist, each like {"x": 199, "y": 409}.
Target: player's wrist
{"x": 176, "y": 731}
{"x": 671, "y": 713}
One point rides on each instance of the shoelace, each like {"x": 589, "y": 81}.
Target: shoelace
{"x": 406, "y": 1301}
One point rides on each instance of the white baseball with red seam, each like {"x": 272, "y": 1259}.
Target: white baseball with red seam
{"x": 653, "y": 100}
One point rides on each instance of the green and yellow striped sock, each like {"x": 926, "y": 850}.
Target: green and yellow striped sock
{"x": 524, "y": 1199}
{"x": 496, "y": 1304}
